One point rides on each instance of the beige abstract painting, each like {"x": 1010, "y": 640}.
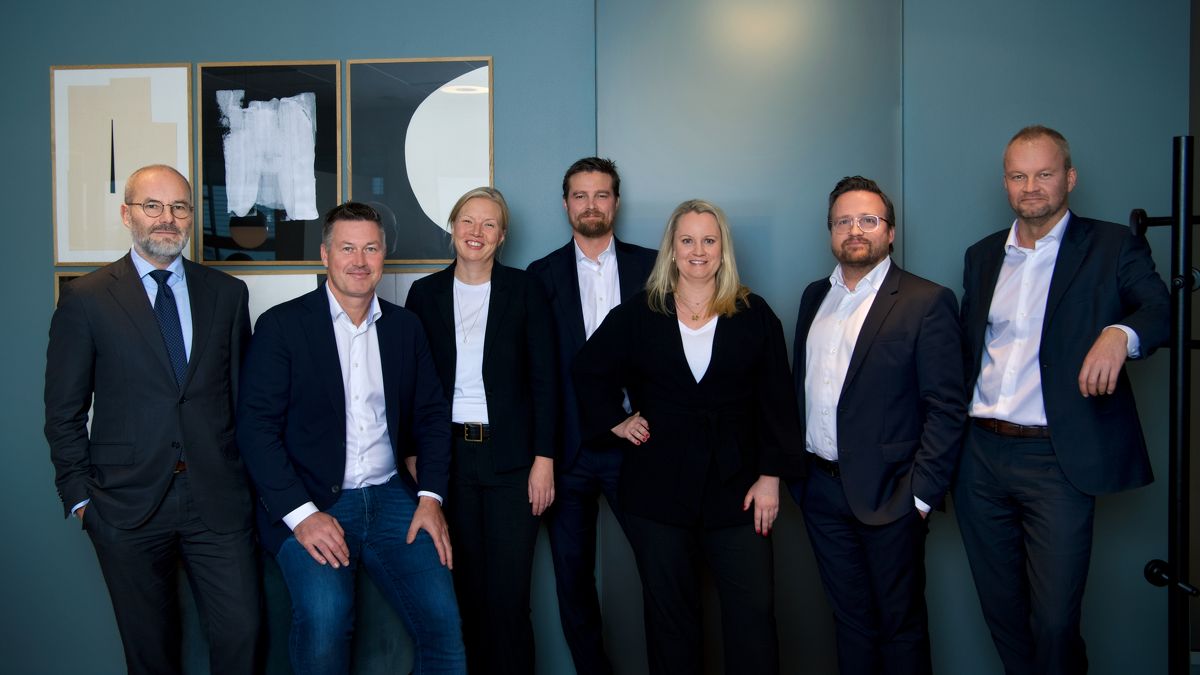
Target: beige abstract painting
{"x": 109, "y": 121}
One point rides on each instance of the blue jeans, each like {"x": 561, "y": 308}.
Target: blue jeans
{"x": 375, "y": 520}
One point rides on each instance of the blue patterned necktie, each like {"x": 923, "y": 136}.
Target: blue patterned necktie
{"x": 168, "y": 324}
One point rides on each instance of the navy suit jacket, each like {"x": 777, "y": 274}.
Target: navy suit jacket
{"x": 106, "y": 353}
{"x": 518, "y": 360}
{"x": 292, "y": 408}
{"x": 1102, "y": 276}
{"x": 560, "y": 279}
{"x": 902, "y": 407}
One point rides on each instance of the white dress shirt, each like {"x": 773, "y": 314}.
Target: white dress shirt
{"x": 1009, "y": 386}
{"x": 370, "y": 459}
{"x": 827, "y": 350}
{"x": 599, "y": 285}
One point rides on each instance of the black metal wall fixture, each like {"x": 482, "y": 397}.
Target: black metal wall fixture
{"x": 1184, "y": 280}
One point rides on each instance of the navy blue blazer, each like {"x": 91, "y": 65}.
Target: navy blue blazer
{"x": 559, "y": 278}
{"x": 1102, "y": 276}
{"x": 292, "y": 409}
{"x": 518, "y": 359}
{"x": 903, "y": 406}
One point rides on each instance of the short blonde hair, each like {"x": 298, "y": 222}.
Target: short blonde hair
{"x": 664, "y": 278}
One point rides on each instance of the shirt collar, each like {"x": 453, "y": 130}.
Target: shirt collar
{"x": 874, "y": 278}
{"x": 1054, "y": 235}
{"x": 145, "y": 267}
{"x": 604, "y": 256}
{"x": 336, "y": 311}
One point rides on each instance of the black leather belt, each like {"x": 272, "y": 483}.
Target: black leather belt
{"x": 1002, "y": 428}
{"x": 826, "y": 466}
{"x": 472, "y": 432}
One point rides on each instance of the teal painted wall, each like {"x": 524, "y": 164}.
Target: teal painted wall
{"x": 692, "y": 101}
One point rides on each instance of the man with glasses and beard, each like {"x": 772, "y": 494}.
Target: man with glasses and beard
{"x": 585, "y": 279}
{"x": 881, "y": 394}
{"x": 152, "y": 344}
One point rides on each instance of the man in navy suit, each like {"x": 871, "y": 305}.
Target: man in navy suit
{"x": 585, "y": 279}
{"x": 883, "y": 411}
{"x": 1052, "y": 307}
{"x": 346, "y": 435}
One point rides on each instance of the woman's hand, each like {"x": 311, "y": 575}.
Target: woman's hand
{"x": 634, "y": 429}
{"x": 541, "y": 484}
{"x": 764, "y": 494}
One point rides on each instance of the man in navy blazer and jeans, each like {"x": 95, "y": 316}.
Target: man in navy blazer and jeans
{"x": 1052, "y": 307}
{"x": 346, "y": 434}
{"x": 583, "y": 280}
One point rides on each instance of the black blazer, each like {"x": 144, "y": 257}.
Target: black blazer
{"x": 560, "y": 280}
{"x": 292, "y": 408}
{"x": 105, "y": 342}
{"x": 1102, "y": 276}
{"x": 902, "y": 407}
{"x": 709, "y": 441}
{"x": 518, "y": 359}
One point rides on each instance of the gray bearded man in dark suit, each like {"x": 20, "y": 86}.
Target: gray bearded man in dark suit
{"x": 584, "y": 280}
{"x": 152, "y": 344}
{"x": 1052, "y": 307}
{"x": 883, "y": 408}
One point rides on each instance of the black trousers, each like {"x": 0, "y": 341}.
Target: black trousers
{"x": 140, "y": 567}
{"x": 572, "y": 529}
{"x": 874, "y": 577}
{"x": 1028, "y": 535}
{"x": 493, "y": 531}
{"x": 742, "y": 564}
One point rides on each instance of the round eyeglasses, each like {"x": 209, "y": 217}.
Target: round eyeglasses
{"x": 866, "y": 223}
{"x": 155, "y": 209}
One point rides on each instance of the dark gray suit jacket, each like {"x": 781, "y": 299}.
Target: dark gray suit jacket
{"x": 106, "y": 352}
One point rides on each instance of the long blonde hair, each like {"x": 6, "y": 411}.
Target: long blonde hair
{"x": 664, "y": 278}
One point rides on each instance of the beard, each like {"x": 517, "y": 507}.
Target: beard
{"x": 591, "y": 224}
{"x": 864, "y": 256}
{"x": 160, "y": 249}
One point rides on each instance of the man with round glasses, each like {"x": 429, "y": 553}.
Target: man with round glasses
{"x": 152, "y": 344}
{"x": 881, "y": 393}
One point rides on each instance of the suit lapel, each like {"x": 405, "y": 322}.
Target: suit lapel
{"x": 443, "y": 297}
{"x": 500, "y": 296}
{"x": 1071, "y": 252}
{"x": 128, "y": 291}
{"x": 318, "y": 329}
{"x": 885, "y": 300}
{"x": 203, "y": 304}
{"x": 627, "y": 281}
{"x": 388, "y": 334}
{"x": 989, "y": 275}
{"x": 567, "y": 278}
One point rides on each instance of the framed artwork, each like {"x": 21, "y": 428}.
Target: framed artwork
{"x": 419, "y": 136}
{"x": 105, "y": 123}
{"x": 270, "y": 160}
{"x": 270, "y": 287}
{"x": 62, "y": 279}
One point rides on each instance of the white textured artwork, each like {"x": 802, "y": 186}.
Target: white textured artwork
{"x": 270, "y": 148}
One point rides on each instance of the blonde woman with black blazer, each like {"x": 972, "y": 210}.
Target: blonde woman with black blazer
{"x": 714, "y": 427}
{"x": 492, "y": 338}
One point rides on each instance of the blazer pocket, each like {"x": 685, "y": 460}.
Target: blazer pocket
{"x": 899, "y": 452}
{"x": 119, "y": 454}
